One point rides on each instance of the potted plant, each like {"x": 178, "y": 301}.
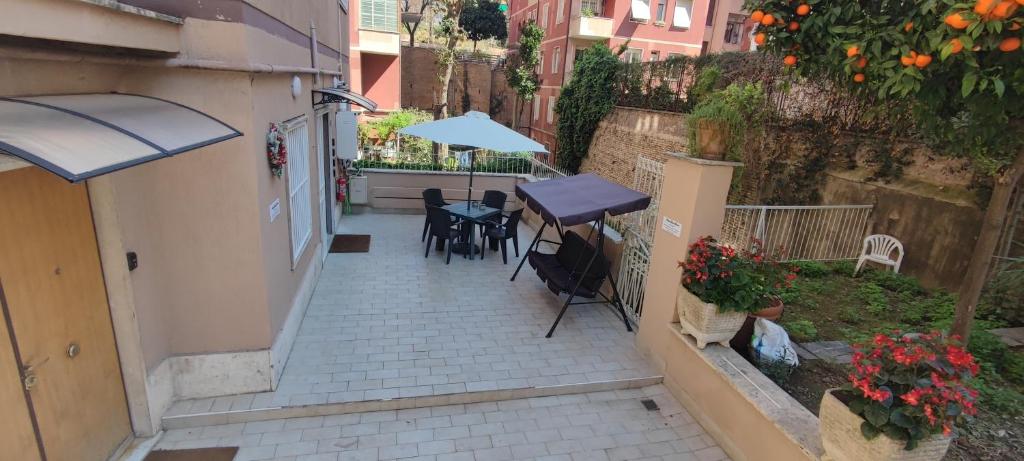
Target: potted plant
{"x": 905, "y": 398}
{"x": 720, "y": 286}
{"x": 720, "y": 121}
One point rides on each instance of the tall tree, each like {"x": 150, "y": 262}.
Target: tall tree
{"x": 412, "y": 16}
{"x": 956, "y": 65}
{"x": 521, "y": 71}
{"x": 483, "y": 19}
{"x": 451, "y": 34}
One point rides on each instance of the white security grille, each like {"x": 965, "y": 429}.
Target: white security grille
{"x": 638, "y": 229}
{"x": 299, "y": 207}
{"x": 822, "y": 233}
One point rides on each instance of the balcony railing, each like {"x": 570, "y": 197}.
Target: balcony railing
{"x": 590, "y": 27}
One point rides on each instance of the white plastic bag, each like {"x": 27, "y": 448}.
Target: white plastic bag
{"x": 771, "y": 344}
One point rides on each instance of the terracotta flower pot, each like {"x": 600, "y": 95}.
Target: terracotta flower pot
{"x": 711, "y": 139}
{"x": 843, "y": 441}
{"x": 704, "y": 321}
{"x": 773, "y": 312}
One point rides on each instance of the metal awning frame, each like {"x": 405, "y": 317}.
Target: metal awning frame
{"x": 343, "y": 95}
{"x": 75, "y": 178}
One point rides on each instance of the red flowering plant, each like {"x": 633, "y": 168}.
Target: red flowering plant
{"x": 735, "y": 280}
{"x": 910, "y": 387}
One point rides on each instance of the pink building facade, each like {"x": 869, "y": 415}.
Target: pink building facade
{"x": 654, "y": 29}
{"x": 375, "y": 61}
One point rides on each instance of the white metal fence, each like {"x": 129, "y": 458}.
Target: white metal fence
{"x": 459, "y": 161}
{"x": 638, "y": 229}
{"x": 824, "y": 233}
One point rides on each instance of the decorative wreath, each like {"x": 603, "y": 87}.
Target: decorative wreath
{"x": 277, "y": 152}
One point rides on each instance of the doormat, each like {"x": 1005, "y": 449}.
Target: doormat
{"x": 195, "y": 454}
{"x": 350, "y": 243}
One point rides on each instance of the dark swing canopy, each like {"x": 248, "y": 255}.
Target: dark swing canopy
{"x": 577, "y": 268}
{"x": 580, "y": 199}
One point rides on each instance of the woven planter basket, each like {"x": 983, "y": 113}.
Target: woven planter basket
{"x": 704, "y": 322}
{"x": 843, "y": 441}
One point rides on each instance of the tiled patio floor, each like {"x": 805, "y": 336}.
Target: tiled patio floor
{"x": 599, "y": 426}
{"x": 392, "y": 324}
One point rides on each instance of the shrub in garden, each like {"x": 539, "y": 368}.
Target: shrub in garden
{"x": 812, "y": 269}
{"x": 801, "y": 330}
{"x": 911, "y": 387}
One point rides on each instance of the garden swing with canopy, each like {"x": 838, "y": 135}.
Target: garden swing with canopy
{"x": 577, "y": 268}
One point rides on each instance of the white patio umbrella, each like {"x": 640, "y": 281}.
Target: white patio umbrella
{"x": 474, "y": 129}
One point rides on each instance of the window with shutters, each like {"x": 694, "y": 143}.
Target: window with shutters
{"x": 551, "y": 109}
{"x": 379, "y": 15}
{"x": 299, "y": 207}
{"x": 659, "y": 15}
{"x": 536, "y": 107}
{"x": 544, "y": 15}
{"x": 555, "y": 59}
{"x": 560, "y": 12}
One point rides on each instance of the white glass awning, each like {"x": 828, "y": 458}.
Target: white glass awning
{"x": 339, "y": 94}
{"x": 85, "y": 135}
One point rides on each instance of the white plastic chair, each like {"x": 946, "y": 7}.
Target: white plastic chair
{"x": 878, "y": 248}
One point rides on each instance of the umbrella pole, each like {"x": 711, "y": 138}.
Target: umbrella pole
{"x": 472, "y": 161}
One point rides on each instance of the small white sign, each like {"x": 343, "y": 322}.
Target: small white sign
{"x": 275, "y": 209}
{"x": 671, "y": 226}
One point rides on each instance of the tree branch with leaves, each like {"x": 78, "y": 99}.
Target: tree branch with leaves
{"x": 955, "y": 66}
{"x": 521, "y": 71}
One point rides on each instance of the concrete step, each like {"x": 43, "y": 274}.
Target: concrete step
{"x": 260, "y": 409}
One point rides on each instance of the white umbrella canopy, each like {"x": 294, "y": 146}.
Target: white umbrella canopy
{"x": 474, "y": 129}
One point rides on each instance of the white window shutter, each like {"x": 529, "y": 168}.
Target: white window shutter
{"x": 640, "y": 10}
{"x": 681, "y": 17}
{"x": 299, "y": 207}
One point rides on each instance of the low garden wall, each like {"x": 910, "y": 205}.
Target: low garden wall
{"x": 403, "y": 189}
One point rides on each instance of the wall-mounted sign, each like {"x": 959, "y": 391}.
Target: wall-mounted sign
{"x": 671, "y": 226}
{"x": 275, "y": 209}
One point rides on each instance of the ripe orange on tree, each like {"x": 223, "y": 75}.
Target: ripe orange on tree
{"x": 757, "y": 15}
{"x": 760, "y": 38}
{"x": 767, "y": 20}
{"x": 1009, "y": 44}
{"x": 908, "y": 27}
{"x": 1004, "y": 9}
{"x": 789, "y": 60}
{"x": 861, "y": 63}
{"x": 956, "y": 45}
{"x": 793, "y": 26}
{"x": 983, "y": 7}
{"x": 852, "y": 51}
{"x": 922, "y": 61}
{"x": 803, "y": 9}
{"x": 957, "y": 21}
{"x": 859, "y": 78}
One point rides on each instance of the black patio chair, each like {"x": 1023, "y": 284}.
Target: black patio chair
{"x": 493, "y": 199}
{"x": 431, "y": 197}
{"x": 443, "y": 229}
{"x": 504, "y": 232}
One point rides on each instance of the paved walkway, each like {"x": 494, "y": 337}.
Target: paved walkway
{"x": 392, "y": 324}
{"x": 599, "y": 426}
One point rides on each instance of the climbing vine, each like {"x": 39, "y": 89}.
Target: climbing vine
{"x": 588, "y": 97}
{"x": 521, "y": 72}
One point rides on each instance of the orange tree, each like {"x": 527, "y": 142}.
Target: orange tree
{"x": 956, "y": 66}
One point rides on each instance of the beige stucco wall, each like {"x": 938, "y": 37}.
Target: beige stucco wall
{"x": 297, "y": 14}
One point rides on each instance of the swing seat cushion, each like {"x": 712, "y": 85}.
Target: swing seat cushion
{"x": 563, "y": 270}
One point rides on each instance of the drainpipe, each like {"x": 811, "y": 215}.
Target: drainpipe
{"x": 314, "y": 58}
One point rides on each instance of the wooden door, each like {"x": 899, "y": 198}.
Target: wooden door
{"x": 57, "y": 305}
{"x": 17, "y": 436}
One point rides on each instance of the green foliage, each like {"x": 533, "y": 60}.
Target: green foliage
{"x": 588, "y": 97}
{"x": 704, "y": 85}
{"x": 482, "y": 19}
{"x": 812, "y": 269}
{"x": 873, "y": 297}
{"x": 386, "y": 129}
{"x": 843, "y": 268}
{"x": 738, "y": 107}
{"x": 892, "y": 281}
{"x": 800, "y": 330}
{"x": 521, "y": 71}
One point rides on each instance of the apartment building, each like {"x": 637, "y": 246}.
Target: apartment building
{"x": 654, "y": 29}
{"x": 149, "y": 252}
{"x": 376, "y": 49}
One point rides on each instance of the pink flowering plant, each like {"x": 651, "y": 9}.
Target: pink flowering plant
{"x": 737, "y": 281}
{"x": 910, "y": 387}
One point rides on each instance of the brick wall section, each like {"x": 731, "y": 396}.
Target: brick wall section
{"x": 627, "y": 133}
{"x": 474, "y": 86}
